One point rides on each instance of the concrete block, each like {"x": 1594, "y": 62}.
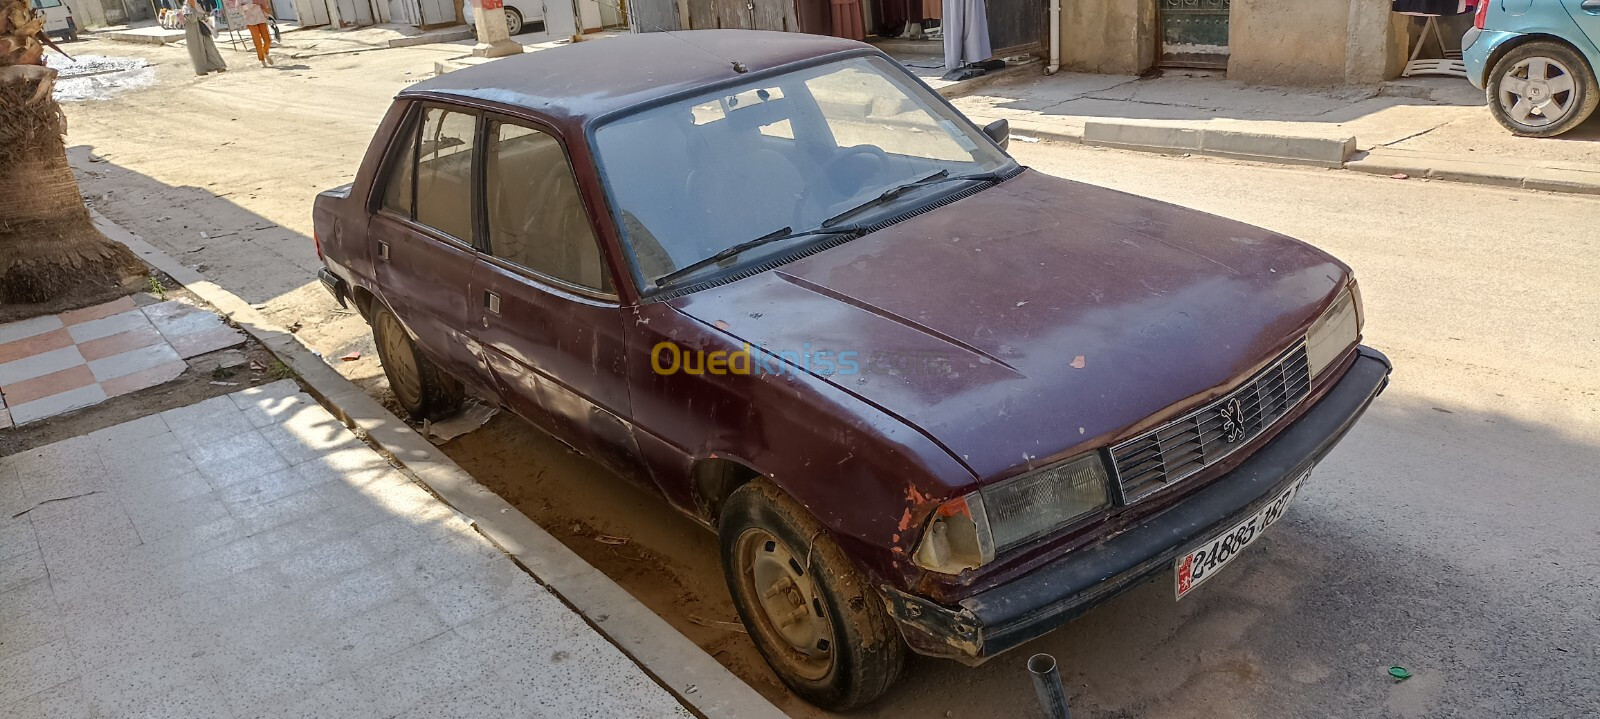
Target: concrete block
{"x": 1321, "y": 152}
{"x": 1149, "y": 138}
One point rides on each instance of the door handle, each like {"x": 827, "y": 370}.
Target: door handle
{"x": 1590, "y": 5}
{"x": 491, "y": 302}
{"x": 383, "y": 251}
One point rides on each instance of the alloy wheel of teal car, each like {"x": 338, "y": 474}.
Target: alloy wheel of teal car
{"x": 1542, "y": 89}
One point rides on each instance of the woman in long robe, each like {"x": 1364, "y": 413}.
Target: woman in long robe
{"x": 202, "y": 50}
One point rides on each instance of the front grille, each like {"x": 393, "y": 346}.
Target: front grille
{"x": 1167, "y": 454}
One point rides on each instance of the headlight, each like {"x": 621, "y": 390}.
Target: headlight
{"x": 968, "y": 531}
{"x": 1333, "y": 332}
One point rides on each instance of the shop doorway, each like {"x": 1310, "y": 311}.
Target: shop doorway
{"x": 1194, "y": 33}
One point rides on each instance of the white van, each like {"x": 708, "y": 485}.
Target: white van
{"x": 58, "y": 22}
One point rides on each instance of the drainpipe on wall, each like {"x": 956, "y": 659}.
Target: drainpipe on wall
{"x": 1055, "y": 38}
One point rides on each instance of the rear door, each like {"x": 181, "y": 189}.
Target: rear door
{"x": 422, "y": 234}
{"x": 546, "y": 310}
{"x": 1587, "y": 14}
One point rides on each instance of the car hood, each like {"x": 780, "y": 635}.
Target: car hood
{"x": 1035, "y": 319}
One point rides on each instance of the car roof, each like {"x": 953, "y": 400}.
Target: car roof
{"x": 584, "y": 80}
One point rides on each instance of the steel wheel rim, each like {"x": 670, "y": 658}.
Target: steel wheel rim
{"x": 1538, "y": 92}
{"x": 399, "y": 360}
{"x": 787, "y": 608}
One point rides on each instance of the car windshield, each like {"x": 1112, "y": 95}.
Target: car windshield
{"x": 692, "y": 178}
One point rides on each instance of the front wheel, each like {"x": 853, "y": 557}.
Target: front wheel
{"x": 513, "y": 21}
{"x": 1542, "y": 89}
{"x": 823, "y": 629}
{"x": 422, "y": 389}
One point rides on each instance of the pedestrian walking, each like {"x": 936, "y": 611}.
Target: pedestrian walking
{"x": 255, "y": 18}
{"x": 197, "y": 35}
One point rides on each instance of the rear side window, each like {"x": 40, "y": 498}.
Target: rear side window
{"x": 536, "y": 217}
{"x": 444, "y": 171}
{"x": 400, "y": 186}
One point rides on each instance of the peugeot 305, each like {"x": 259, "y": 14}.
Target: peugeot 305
{"x": 930, "y": 400}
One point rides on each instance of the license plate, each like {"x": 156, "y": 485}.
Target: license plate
{"x": 1207, "y": 559}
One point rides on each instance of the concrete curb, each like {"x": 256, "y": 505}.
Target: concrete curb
{"x": 432, "y": 36}
{"x": 688, "y": 673}
{"x": 1181, "y": 141}
{"x": 1169, "y": 139}
{"x": 1528, "y": 177}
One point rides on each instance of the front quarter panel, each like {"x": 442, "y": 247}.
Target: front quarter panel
{"x": 867, "y": 477}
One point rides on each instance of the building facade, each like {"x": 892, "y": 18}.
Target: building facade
{"x": 1278, "y": 42}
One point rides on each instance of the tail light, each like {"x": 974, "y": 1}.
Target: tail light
{"x": 1482, "y": 14}
{"x": 315, "y": 240}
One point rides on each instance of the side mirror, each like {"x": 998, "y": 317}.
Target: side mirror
{"x": 1000, "y": 132}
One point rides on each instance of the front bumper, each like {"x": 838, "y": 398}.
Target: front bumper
{"x": 1001, "y": 618}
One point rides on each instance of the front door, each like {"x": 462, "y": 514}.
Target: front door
{"x": 546, "y": 311}
{"x": 421, "y": 235}
{"x": 1194, "y": 33}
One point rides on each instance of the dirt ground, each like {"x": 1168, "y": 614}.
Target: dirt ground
{"x": 1445, "y": 534}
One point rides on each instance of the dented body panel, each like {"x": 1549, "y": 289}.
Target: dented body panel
{"x": 1055, "y": 318}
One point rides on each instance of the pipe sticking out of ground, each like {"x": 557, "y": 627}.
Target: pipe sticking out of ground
{"x": 1047, "y": 682}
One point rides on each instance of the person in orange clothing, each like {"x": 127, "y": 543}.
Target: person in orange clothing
{"x": 255, "y": 18}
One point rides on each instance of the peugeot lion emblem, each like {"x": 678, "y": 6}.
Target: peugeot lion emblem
{"x": 1232, "y": 421}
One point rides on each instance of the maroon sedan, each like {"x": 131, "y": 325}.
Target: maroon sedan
{"x": 929, "y": 399}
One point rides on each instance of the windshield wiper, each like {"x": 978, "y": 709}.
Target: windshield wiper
{"x": 895, "y": 192}
{"x": 735, "y": 250}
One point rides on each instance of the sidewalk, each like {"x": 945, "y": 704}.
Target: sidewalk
{"x": 248, "y": 556}
{"x": 1424, "y": 127}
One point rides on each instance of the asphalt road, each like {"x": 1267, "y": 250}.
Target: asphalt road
{"x": 1455, "y": 532}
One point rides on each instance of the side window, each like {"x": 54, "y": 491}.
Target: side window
{"x": 444, "y": 172}
{"x": 400, "y": 184}
{"x": 536, "y": 218}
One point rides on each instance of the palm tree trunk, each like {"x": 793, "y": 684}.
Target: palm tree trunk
{"x": 51, "y": 255}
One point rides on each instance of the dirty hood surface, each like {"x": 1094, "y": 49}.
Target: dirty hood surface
{"x": 1035, "y": 319}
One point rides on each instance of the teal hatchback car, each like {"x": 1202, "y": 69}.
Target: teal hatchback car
{"x": 1536, "y": 60}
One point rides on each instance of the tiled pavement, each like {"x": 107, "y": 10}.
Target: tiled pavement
{"x": 56, "y": 363}
{"x": 247, "y": 556}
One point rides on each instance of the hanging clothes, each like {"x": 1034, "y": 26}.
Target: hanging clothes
{"x": 1432, "y": 7}
{"x": 846, "y": 19}
{"x": 966, "y": 33}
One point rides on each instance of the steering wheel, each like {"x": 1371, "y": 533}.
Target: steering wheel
{"x": 856, "y": 168}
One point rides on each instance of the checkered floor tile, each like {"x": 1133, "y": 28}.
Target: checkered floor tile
{"x": 56, "y": 363}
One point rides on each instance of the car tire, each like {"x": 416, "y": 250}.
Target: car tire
{"x": 513, "y": 22}
{"x": 1541, "y": 77}
{"x": 837, "y": 647}
{"x": 422, "y": 389}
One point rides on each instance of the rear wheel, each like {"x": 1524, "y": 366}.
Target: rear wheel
{"x": 513, "y": 21}
{"x": 1542, "y": 89}
{"x": 823, "y": 629}
{"x": 422, "y": 389}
